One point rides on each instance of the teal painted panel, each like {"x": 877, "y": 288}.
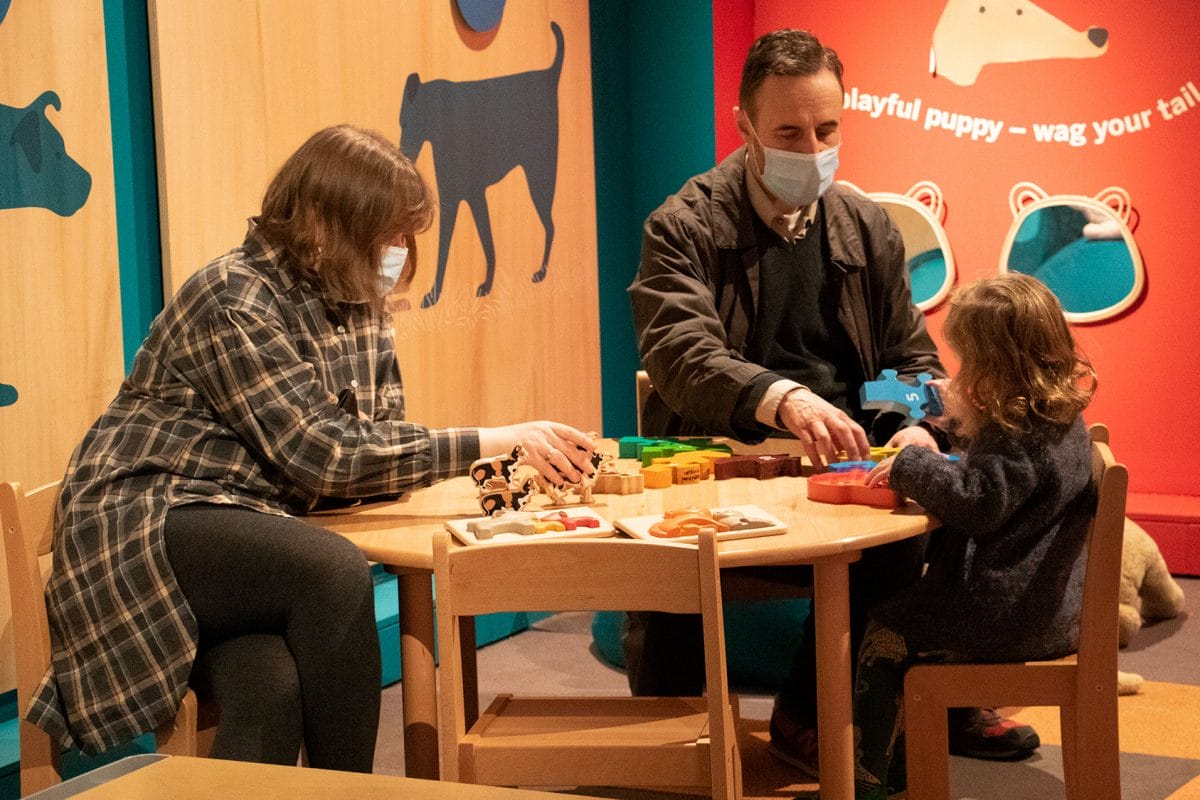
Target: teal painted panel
{"x": 488, "y": 628}
{"x": 135, "y": 184}
{"x": 648, "y": 142}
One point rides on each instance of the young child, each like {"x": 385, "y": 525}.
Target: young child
{"x": 1005, "y": 574}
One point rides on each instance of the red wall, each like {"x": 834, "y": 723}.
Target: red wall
{"x": 1147, "y": 358}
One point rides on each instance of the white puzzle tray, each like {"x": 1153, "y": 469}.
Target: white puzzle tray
{"x": 515, "y": 526}
{"x": 639, "y": 527}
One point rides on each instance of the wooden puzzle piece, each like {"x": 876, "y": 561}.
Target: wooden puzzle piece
{"x": 890, "y": 393}
{"x": 690, "y": 521}
{"x": 737, "y": 521}
{"x": 503, "y": 521}
{"x": 850, "y": 487}
{"x": 610, "y": 481}
{"x": 503, "y": 496}
{"x": 569, "y": 522}
{"x": 848, "y": 466}
{"x": 875, "y": 455}
{"x": 488, "y": 470}
{"x": 762, "y": 467}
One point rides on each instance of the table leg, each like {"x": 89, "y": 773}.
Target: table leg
{"x": 835, "y": 727}
{"x": 418, "y": 689}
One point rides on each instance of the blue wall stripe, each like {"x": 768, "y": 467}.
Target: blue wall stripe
{"x": 127, "y": 42}
{"x": 652, "y": 101}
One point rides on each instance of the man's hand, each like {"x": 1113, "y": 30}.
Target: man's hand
{"x": 822, "y": 429}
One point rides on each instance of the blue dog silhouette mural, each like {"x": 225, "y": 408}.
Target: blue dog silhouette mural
{"x": 35, "y": 170}
{"x": 480, "y": 131}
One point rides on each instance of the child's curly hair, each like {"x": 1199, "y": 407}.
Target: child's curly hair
{"x": 1019, "y": 361}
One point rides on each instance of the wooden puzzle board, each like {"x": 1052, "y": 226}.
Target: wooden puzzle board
{"x": 639, "y": 527}
{"x": 458, "y": 527}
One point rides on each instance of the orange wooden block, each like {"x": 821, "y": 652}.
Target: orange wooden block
{"x": 850, "y": 487}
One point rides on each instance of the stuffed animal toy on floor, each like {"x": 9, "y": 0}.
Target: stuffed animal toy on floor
{"x": 1148, "y": 592}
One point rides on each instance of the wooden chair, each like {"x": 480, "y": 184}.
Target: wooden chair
{"x": 28, "y": 521}
{"x": 661, "y": 742}
{"x": 1084, "y": 685}
{"x": 642, "y": 389}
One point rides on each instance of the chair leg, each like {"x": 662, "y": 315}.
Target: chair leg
{"x": 1067, "y": 723}
{"x": 1096, "y": 748}
{"x": 926, "y": 738}
{"x": 40, "y": 765}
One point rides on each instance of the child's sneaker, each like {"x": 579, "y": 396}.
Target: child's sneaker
{"x": 982, "y": 733}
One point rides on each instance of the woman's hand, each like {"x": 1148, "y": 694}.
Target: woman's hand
{"x": 562, "y": 454}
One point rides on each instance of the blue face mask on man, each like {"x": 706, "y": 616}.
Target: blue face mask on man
{"x": 391, "y": 266}
{"x": 797, "y": 179}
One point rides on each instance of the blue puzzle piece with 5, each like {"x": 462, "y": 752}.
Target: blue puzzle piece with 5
{"x": 891, "y": 394}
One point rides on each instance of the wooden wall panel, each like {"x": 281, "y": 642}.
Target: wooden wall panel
{"x": 239, "y": 84}
{"x": 60, "y": 331}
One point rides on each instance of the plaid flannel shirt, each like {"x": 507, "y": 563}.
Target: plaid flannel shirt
{"x": 232, "y": 399}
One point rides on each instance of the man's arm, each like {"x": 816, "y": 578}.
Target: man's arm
{"x": 681, "y": 337}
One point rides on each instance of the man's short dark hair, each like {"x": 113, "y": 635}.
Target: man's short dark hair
{"x": 784, "y": 52}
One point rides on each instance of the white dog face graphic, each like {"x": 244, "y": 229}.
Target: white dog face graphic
{"x": 974, "y": 33}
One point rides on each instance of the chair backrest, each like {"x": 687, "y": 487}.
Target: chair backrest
{"x": 28, "y": 522}
{"x": 1098, "y": 628}
{"x": 576, "y": 575}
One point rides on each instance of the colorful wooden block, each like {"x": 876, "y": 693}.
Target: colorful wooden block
{"x": 658, "y": 476}
{"x": 634, "y": 446}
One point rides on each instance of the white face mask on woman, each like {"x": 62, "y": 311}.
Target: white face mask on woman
{"x": 390, "y": 268}
{"x": 797, "y": 179}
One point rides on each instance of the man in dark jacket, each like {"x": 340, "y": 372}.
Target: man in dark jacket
{"x": 765, "y": 298}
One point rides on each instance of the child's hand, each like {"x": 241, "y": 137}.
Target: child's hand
{"x": 880, "y": 475}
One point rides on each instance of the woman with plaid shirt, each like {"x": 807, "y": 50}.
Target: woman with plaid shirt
{"x": 268, "y": 383}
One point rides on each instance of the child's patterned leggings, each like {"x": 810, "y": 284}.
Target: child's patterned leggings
{"x": 883, "y": 659}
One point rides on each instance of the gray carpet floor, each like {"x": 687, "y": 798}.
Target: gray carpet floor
{"x": 557, "y": 656}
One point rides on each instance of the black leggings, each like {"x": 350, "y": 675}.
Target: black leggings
{"x": 288, "y": 646}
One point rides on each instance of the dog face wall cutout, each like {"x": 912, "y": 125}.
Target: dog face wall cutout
{"x": 35, "y": 170}
{"x": 480, "y": 131}
{"x": 919, "y": 215}
{"x": 974, "y": 33}
{"x": 1081, "y": 247}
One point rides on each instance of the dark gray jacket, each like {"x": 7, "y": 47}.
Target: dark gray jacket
{"x": 1005, "y": 577}
{"x": 696, "y": 295}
